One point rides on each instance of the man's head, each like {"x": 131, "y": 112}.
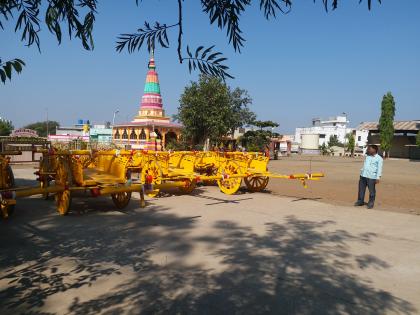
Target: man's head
{"x": 372, "y": 149}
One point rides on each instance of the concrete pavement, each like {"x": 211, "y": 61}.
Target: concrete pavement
{"x": 209, "y": 253}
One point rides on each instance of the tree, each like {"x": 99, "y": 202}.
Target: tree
{"x": 334, "y": 142}
{"x": 6, "y": 127}
{"x": 241, "y": 114}
{"x": 210, "y": 110}
{"x": 41, "y": 127}
{"x": 351, "y": 143}
{"x": 418, "y": 139}
{"x": 386, "y": 123}
{"x": 57, "y": 13}
{"x": 77, "y": 17}
{"x": 324, "y": 149}
{"x": 265, "y": 124}
{"x": 256, "y": 140}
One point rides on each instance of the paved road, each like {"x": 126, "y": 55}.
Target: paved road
{"x": 209, "y": 253}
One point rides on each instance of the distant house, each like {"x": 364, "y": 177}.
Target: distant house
{"x": 83, "y": 131}
{"x": 403, "y": 144}
{"x": 325, "y": 128}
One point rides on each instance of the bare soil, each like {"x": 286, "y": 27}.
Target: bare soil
{"x": 399, "y": 189}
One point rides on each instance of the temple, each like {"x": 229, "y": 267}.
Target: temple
{"x": 150, "y": 129}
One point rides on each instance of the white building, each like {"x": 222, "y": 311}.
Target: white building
{"x": 361, "y": 137}
{"x": 337, "y": 126}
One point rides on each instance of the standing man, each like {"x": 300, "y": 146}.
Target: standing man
{"x": 369, "y": 176}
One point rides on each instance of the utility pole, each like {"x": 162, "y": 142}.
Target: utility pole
{"x": 48, "y": 130}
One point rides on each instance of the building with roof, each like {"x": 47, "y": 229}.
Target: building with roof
{"x": 325, "y": 128}
{"x": 150, "y": 129}
{"x": 83, "y": 131}
{"x": 403, "y": 144}
{"x": 66, "y": 134}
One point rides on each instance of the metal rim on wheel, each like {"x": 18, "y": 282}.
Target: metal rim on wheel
{"x": 152, "y": 168}
{"x": 122, "y": 199}
{"x": 227, "y": 184}
{"x": 257, "y": 183}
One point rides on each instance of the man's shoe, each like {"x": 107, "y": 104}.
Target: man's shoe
{"x": 359, "y": 203}
{"x": 370, "y": 206}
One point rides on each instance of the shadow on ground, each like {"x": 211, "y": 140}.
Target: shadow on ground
{"x": 299, "y": 267}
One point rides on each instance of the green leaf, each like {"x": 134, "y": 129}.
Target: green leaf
{"x": 17, "y": 66}
{"x": 8, "y": 69}
{"x": 2, "y": 76}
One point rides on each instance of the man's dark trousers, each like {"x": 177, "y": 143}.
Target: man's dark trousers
{"x": 370, "y": 183}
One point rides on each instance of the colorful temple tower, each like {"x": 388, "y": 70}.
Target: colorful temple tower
{"x": 150, "y": 129}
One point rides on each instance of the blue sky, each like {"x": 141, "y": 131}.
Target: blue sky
{"x": 305, "y": 64}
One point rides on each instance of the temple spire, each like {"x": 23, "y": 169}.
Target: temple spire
{"x": 151, "y": 64}
{"x": 151, "y": 102}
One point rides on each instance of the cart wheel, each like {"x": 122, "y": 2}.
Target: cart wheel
{"x": 256, "y": 184}
{"x": 7, "y": 210}
{"x": 121, "y": 200}
{"x": 63, "y": 201}
{"x": 229, "y": 185}
{"x": 10, "y": 178}
{"x": 63, "y": 178}
{"x": 188, "y": 187}
{"x": 151, "y": 174}
{"x": 44, "y": 184}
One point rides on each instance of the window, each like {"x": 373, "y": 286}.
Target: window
{"x": 125, "y": 134}
{"x": 359, "y": 138}
{"x": 334, "y": 124}
{"x": 117, "y": 134}
{"x": 322, "y": 136}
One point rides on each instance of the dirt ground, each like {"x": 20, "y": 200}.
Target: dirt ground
{"x": 399, "y": 189}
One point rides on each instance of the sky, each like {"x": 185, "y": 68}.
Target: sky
{"x": 301, "y": 65}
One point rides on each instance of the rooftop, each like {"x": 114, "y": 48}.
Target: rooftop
{"x": 412, "y": 125}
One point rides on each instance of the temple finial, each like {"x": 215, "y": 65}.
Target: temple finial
{"x": 152, "y": 59}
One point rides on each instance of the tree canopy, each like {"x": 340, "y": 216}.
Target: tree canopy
{"x": 265, "y": 124}
{"x": 6, "y": 127}
{"x": 333, "y": 141}
{"x": 386, "y": 123}
{"x": 77, "y": 18}
{"x": 41, "y": 127}
{"x": 351, "y": 143}
{"x": 257, "y": 140}
{"x": 209, "y": 109}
